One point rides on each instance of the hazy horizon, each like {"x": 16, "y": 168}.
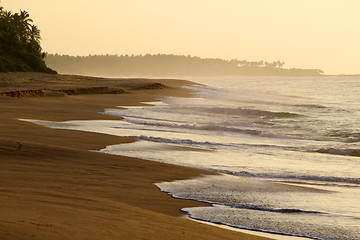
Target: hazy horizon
{"x": 304, "y": 34}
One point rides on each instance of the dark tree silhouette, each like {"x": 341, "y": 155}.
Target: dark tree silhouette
{"x": 20, "y": 48}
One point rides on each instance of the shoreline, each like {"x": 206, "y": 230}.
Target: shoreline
{"x": 53, "y": 187}
{"x": 259, "y": 233}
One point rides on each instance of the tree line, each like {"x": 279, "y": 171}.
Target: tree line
{"x": 169, "y": 65}
{"x": 20, "y": 48}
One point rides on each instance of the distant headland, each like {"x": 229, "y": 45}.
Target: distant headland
{"x": 169, "y": 65}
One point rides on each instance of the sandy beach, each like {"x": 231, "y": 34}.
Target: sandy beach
{"x": 53, "y": 187}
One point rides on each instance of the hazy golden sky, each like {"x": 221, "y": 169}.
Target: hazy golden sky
{"x": 321, "y": 34}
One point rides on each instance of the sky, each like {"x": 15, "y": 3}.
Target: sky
{"x": 321, "y": 34}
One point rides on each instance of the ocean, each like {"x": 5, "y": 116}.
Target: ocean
{"x": 287, "y": 150}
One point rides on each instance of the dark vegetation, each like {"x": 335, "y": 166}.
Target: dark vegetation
{"x": 168, "y": 65}
{"x": 20, "y": 48}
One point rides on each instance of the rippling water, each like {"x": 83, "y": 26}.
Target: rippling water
{"x": 288, "y": 150}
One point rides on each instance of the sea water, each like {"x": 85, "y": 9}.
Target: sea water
{"x": 287, "y": 150}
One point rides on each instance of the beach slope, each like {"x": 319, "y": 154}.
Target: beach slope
{"x": 53, "y": 187}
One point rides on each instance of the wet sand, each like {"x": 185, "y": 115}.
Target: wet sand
{"x": 53, "y": 187}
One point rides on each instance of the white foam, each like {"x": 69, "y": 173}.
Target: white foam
{"x": 253, "y": 232}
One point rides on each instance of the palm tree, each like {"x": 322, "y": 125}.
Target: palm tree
{"x": 25, "y": 23}
{"x": 33, "y": 44}
{"x": 8, "y": 36}
{"x": 20, "y": 39}
{"x": 6, "y": 17}
{"x": 34, "y": 33}
{"x": 22, "y": 23}
{"x": 25, "y": 17}
{"x": 18, "y": 34}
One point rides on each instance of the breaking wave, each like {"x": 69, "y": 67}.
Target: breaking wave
{"x": 324, "y": 179}
{"x": 316, "y": 106}
{"x": 196, "y": 126}
{"x": 250, "y": 112}
{"x": 176, "y": 141}
{"x": 344, "y": 152}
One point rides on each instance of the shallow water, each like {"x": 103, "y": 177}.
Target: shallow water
{"x": 288, "y": 150}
